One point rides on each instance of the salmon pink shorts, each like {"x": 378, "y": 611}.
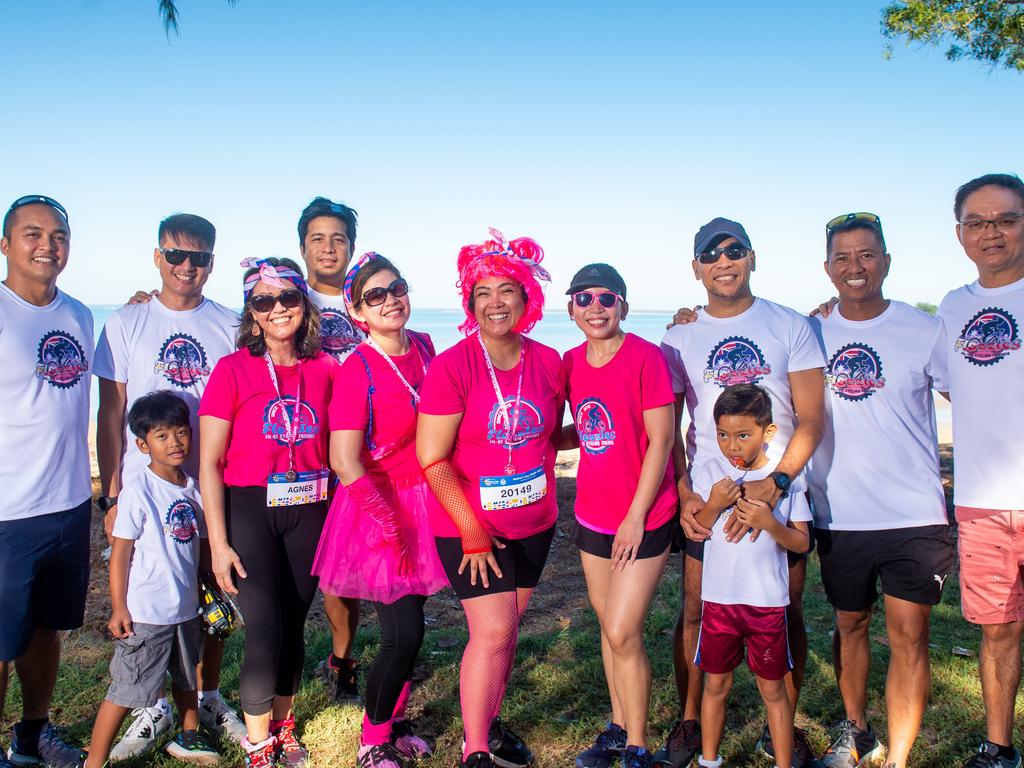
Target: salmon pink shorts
{"x": 991, "y": 544}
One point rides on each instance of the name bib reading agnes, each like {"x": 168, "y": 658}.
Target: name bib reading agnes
{"x": 305, "y": 488}
{"x": 508, "y": 491}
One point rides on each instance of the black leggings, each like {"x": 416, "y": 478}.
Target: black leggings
{"x": 401, "y": 635}
{"x": 276, "y": 546}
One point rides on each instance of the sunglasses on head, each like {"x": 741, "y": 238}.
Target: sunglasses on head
{"x": 33, "y": 199}
{"x": 733, "y": 252}
{"x": 377, "y": 296}
{"x": 846, "y": 218}
{"x": 265, "y": 302}
{"x": 606, "y": 299}
{"x": 176, "y": 256}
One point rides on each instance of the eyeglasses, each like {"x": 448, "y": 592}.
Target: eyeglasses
{"x": 1004, "y": 223}
{"x": 846, "y": 218}
{"x": 606, "y": 299}
{"x": 265, "y": 302}
{"x": 176, "y": 256}
{"x": 377, "y": 296}
{"x": 733, "y": 252}
{"x": 33, "y": 199}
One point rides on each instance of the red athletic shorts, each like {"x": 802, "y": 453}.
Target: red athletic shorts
{"x": 725, "y": 629}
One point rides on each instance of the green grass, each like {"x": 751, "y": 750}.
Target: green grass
{"x": 557, "y": 700}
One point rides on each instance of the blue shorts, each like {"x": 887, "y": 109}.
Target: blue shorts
{"x": 44, "y": 575}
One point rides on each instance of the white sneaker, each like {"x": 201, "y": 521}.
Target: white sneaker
{"x": 216, "y": 716}
{"x": 142, "y": 735}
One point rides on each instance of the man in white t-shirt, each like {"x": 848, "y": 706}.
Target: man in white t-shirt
{"x": 986, "y": 367}
{"x": 172, "y": 341}
{"x": 737, "y": 338}
{"x": 46, "y": 348}
{"x": 327, "y": 235}
{"x": 879, "y": 507}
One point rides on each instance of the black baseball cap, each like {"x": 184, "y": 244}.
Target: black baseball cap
{"x": 597, "y": 276}
{"x": 719, "y": 229}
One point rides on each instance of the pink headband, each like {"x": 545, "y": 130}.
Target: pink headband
{"x": 272, "y": 275}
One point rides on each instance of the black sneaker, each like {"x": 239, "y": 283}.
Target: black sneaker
{"x": 987, "y": 756}
{"x": 341, "y": 679}
{"x": 852, "y": 747}
{"x": 636, "y": 757}
{"x": 476, "y": 760}
{"x": 607, "y": 748}
{"x": 507, "y": 749}
{"x": 682, "y": 744}
{"x": 803, "y": 754}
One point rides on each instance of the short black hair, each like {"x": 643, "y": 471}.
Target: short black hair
{"x": 188, "y": 226}
{"x": 1008, "y": 181}
{"x": 850, "y": 226}
{"x": 162, "y": 408}
{"x": 745, "y": 400}
{"x": 322, "y": 206}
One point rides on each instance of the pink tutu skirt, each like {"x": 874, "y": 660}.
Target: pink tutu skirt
{"x": 353, "y": 560}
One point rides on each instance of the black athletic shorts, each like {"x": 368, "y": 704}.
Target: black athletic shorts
{"x": 695, "y": 549}
{"x": 521, "y": 563}
{"x": 912, "y": 563}
{"x": 653, "y": 544}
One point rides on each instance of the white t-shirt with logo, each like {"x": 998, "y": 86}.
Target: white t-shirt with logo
{"x": 761, "y": 346}
{"x": 166, "y": 522}
{"x": 877, "y": 466}
{"x": 150, "y": 347}
{"x": 45, "y": 363}
{"x": 338, "y": 334}
{"x": 747, "y": 572}
{"x": 986, "y": 384}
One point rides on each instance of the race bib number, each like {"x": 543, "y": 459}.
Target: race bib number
{"x": 306, "y": 488}
{"x": 508, "y": 491}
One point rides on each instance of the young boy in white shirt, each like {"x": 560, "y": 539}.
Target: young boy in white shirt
{"x": 159, "y": 545}
{"x": 745, "y": 588}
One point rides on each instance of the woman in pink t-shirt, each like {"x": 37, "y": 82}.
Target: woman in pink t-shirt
{"x": 489, "y": 423}
{"x": 263, "y": 470}
{"x": 377, "y": 543}
{"x": 620, "y": 392}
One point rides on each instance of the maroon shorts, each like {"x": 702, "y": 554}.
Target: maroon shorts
{"x": 725, "y": 629}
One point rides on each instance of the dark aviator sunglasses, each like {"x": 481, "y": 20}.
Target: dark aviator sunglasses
{"x": 265, "y": 302}
{"x": 377, "y": 296}
{"x": 733, "y": 252}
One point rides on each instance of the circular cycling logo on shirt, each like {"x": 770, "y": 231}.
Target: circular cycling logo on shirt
{"x": 338, "y": 335}
{"x": 988, "y": 337}
{"x": 526, "y": 419}
{"x": 182, "y": 361}
{"x": 855, "y": 372}
{"x": 60, "y": 360}
{"x": 180, "y": 522}
{"x": 736, "y": 360}
{"x": 594, "y": 426}
{"x": 280, "y": 412}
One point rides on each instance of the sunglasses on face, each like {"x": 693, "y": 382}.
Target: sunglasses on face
{"x": 176, "y": 256}
{"x": 733, "y": 252}
{"x": 377, "y": 296}
{"x": 606, "y": 299}
{"x": 265, "y": 302}
{"x": 33, "y": 199}
{"x": 846, "y": 218}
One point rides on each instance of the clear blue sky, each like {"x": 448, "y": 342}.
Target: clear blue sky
{"x": 607, "y": 131}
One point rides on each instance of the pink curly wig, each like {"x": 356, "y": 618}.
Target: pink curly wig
{"x": 519, "y": 260}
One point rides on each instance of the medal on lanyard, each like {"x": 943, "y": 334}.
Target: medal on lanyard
{"x": 511, "y": 422}
{"x": 291, "y": 430}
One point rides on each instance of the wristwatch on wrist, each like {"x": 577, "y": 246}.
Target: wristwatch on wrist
{"x": 106, "y": 502}
{"x": 782, "y": 482}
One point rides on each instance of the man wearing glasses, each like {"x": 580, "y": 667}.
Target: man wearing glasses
{"x": 737, "y": 338}
{"x": 172, "y": 341}
{"x": 982, "y": 323}
{"x": 46, "y": 347}
{"x": 327, "y": 235}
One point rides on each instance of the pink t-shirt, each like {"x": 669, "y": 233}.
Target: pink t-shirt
{"x": 240, "y": 391}
{"x": 458, "y": 382}
{"x": 608, "y": 405}
{"x": 394, "y": 414}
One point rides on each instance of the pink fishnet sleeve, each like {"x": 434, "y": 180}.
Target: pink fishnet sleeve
{"x": 444, "y": 483}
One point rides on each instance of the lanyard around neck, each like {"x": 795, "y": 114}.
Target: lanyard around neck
{"x": 387, "y": 358}
{"x": 291, "y": 431}
{"x": 511, "y": 423}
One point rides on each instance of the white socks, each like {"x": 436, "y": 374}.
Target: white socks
{"x": 211, "y": 696}
{"x": 716, "y": 763}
